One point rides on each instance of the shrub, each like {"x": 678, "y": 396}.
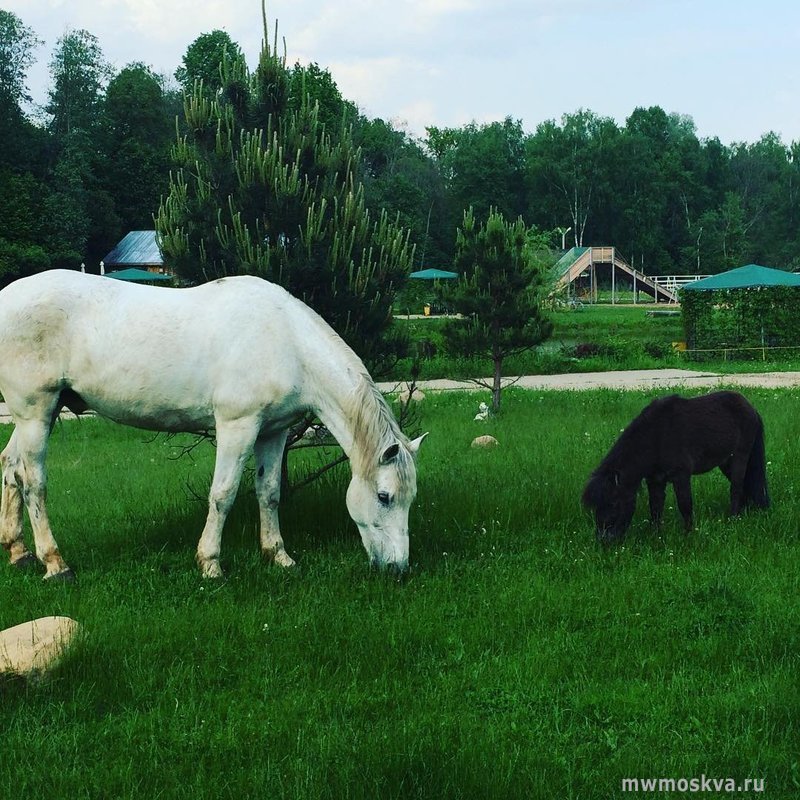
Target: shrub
{"x": 657, "y": 349}
{"x": 588, "y": 349}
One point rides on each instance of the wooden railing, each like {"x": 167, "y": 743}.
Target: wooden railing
{"x": 675, "y": 282}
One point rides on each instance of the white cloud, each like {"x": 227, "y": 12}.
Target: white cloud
{"x": 459, "y": 60}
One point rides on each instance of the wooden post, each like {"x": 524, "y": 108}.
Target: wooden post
{"x": 613, "y": 278}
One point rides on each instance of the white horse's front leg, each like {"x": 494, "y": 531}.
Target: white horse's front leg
{"x": 234, "y": 444}
{"x": 269, "y": 457}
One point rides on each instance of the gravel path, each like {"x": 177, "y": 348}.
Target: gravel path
{"x": 625, "y": 379}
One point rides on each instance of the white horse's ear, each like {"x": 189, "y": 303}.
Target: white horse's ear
{"x": 390, "y": 453}
{"x": 413, "y": 446}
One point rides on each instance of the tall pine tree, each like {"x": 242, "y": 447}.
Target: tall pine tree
{"x": 263, "y": 188}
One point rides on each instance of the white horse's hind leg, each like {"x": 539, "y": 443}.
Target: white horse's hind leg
{"x": 269, "y": 456}
{"x": 11, "y": 506}
{"x": 32, "y": 436}
{"x": 234, "y": 444}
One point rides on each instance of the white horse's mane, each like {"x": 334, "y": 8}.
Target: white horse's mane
{"x": 373, "y": 425}
{"x": 374, "y": 430}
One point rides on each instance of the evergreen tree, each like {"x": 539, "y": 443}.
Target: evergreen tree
{"x": 498, "y": 293}
{"x": 67, "y": 208}
{"x": 79, "y": 73}
{"x": 17, "y": 43}
{"x": 21, "y": 154}
{"x": 80, "y": 221}
{"x": 262, "y": 188}
{"x": 203, "y": 59}
{"x": 138, "y": 134}
{"x": 400, "y": 177}
{"x": 317, "y": 84}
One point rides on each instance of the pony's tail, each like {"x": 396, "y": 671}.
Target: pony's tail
{"x": 755, "y": 476}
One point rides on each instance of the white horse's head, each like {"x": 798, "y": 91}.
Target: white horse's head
{"x": 379, "y": 499}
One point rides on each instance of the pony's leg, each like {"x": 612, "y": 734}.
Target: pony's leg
{"x": 32, "y": 436}
{"x": 11, "y": 506}
{"x": 269, "y": 457}
{"x": 735, "y": 474}
{"x": 683, "y": 494}
{"x": 656, "y": 490}
{"x": 234, "y": 444}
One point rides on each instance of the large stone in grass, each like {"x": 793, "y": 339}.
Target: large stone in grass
{"x": 484, "y": 441}
{"x": 33, "y": 647}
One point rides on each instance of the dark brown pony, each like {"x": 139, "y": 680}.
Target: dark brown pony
{"x": 671, "y": 440}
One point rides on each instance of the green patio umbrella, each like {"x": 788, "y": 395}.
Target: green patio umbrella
{"x": 433, "y": 274}
{"x": 139, "y": 275}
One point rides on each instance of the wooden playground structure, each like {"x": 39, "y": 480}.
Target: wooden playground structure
{"x": 580, "y": 268}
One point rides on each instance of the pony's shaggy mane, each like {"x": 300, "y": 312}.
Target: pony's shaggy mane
{"x": 597, "y": 488}
{"x": 638, "y": 427}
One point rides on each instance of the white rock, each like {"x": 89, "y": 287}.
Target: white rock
{"x": 34, "y": 646}
{"x": 484, "y": 441}
{"x": 483, "y": 413}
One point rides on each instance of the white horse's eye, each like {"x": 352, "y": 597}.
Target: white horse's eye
{"x": 383, "y": 498}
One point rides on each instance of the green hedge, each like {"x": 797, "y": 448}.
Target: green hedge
{"x": 756, "y": 317}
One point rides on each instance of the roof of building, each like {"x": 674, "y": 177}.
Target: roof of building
{"x": 136, "y": 248}
{"x": 746, "y": 277}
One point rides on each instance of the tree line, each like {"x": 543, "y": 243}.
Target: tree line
{"x": 94, "y": 162}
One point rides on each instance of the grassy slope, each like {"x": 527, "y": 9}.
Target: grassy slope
{"x": 517, "y": 661}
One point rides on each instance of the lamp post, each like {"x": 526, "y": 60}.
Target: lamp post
{"x": 564, "y": 247}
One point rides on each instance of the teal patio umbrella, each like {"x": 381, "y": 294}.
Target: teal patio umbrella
{"x": 140, "y": 275}
{"x": 433, "y": 274}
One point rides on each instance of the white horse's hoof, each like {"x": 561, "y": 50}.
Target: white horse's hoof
{"x": 212, "y": 569}
{"x": 65, "y": 576}
{"x": 24, "y": 561}
{"x": 283, "y": 559}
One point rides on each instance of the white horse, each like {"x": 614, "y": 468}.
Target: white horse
{"x": 238, "y": 355}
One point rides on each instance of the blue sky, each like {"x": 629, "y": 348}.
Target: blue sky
{"x": 730, "y": 65}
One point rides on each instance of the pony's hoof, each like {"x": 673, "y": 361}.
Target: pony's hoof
{"x": 25, "y": 561}
{"x": 65, "y": 576}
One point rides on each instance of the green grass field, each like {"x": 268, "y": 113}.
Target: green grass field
{"x": 518, "y": 660}
{"x": 627, "y": 338}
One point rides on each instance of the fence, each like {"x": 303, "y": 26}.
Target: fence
{"x": 727, "y": 350}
